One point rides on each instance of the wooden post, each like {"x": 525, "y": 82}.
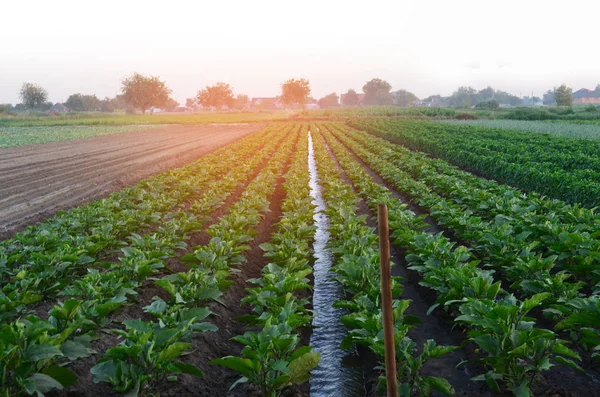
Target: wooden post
{"x": 386, "y": 301}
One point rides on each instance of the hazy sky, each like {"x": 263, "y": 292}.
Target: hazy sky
{"x": 425, "y": 46}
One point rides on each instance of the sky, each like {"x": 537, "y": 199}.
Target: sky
{"x": 425, "y": 46}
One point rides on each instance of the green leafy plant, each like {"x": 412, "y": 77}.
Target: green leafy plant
{"x": 271, "y": 359}
{"x": 30, "y": 353}
{"x": 147, "y": 355}
{"x": 410, "y": 379}
{"x": 517, "y": 352}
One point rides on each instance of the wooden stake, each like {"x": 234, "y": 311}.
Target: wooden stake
{"x": 386, "y": 301}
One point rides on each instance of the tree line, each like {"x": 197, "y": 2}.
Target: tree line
{"x": 141, "y": 93}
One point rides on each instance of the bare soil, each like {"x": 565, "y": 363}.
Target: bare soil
{"x": 36, "y": 181}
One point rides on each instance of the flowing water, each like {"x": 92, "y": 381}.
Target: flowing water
{"x": 331, "y": 378}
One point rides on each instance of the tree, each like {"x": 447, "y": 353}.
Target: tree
{"x": 242, "y": 102}
{"x": 377, "y": 92}
{"x": 463, "y": 97}
{"x": 563, "y": 96}
{"x": 350, "y": 98}
{"x": 190, "y": 102}
{"x": 170, "y": 104}
{"x": 216, "y": 96}
{"x": 435, "y": 100}
{"x": 83, "y": 103}
{"x": 143, "y": 92}
{"x": 33, "y": 95}
{"x": 329, "y": 101}
{"x": 549, "y": 99}
{"x": 6, "y": 108}
{"x": 403, "y": 98}
{"x": 295, "y": 91}
{"x": 486, "y": 94}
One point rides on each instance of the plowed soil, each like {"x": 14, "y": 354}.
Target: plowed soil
{"x": 38, "y": 180}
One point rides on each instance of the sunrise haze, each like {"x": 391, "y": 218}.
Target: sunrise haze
{"x": 425, "y": 47}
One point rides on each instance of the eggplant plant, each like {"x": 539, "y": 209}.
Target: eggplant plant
{"x": 147, "y": 355}
{"x": 411, "y": 380}
{"x": 516, "y": 351}
{"x": 32, "y": 355}
{"x": 271, "y": 359}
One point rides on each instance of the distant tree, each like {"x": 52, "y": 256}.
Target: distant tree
{"x": 106, "y": 105}
{"x": 329, "y": 101}
{"x": 377, "y": 92}
{"x": 75, "y": 103}
{"x": 170, "y": 104}
{"x": 33, "y": 95}
{"x": 216, "y": 96}
{"x": 435, "y": 100}
{"x": 143, "y": 92}
{"x": 45, "y": 106}
{"x": 83, "y": 103}
{"x": 351, "y": 98}
{"x": 295, "y": 91}
{"x": 190, "y": 102}
{"x": 403, "y": 98}
{"x": 486, "y": 94}
{"x": 514, "y": 100}
{"x": 563, "y": 96}
{"x": 242, "y": 102}
{"x": 462, "y": 97}
{"x": 549, "y": 98}
{"x": 5, "y": 108}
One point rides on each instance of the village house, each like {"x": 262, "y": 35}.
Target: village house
{"x": 585, "y": 96}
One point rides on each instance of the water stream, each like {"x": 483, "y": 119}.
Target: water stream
{"x": 331, "y": 378}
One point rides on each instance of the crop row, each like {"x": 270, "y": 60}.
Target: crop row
{"x": 525, "y": 263}
{"x": 272, "y": 358}
{"x": 547, "y": 227}
{"x": 41, "y": 261}
{"x": 515, "y": 350}
{"x": 149, "y": 349}
{"x": 357, "y": 267}
{"x": 67, "y": 332}
{"x": 562, "y": 168}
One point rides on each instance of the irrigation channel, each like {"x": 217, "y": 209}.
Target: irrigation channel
{"x": 331, "y": 378}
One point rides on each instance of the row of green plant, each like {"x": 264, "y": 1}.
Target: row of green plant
{"x": 514, "y": 350}
{"x": 109, "y": 119}
{"x": 43, "y": 260}
{"x": 272, "y": 358}
{"x": 128, "y": 367}
{"x": 19, "y": 136}
{"x": 355, "y": 246}
{"x": 549, "y": 227}
{"x": 559, "y": 167}
{"x": 105, "y": 288}
{"x": 501, "y": 245}
{"x": 570, "y": 130}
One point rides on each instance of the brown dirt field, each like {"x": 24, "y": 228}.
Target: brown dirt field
{"x": 36, "y": 181}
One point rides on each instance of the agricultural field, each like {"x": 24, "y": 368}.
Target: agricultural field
{"x": 569, "y": 130}
{"x": 38, "y": 180}
{"x": 122, "y": 119}
{"x": 21, "y": 136}
{"x": 555, "y": 166}
{"x": 253, "y": 269}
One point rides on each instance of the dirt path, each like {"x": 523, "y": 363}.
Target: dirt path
{"x": 38, "y": 180}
